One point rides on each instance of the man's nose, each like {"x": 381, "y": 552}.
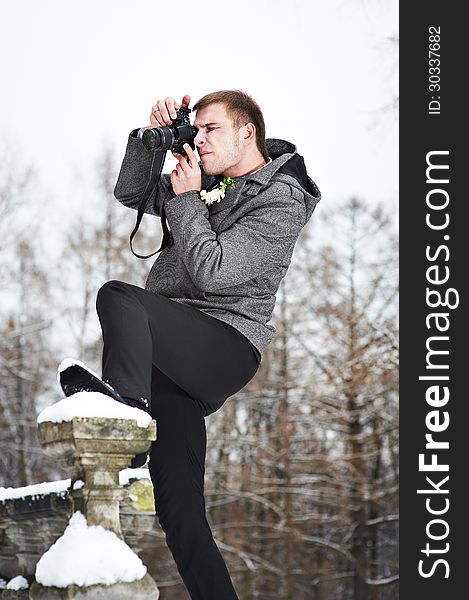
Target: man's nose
{"x": 199, "y": 138}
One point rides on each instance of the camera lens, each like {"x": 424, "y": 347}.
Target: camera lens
{"x": 158, "y": 138}
{"x": 150, "y": 139}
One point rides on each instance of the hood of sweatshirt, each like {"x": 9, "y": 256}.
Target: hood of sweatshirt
{"x": 287, "y": 166}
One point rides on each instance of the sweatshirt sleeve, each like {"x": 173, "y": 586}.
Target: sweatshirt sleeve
{"x": 134, "y": 176}
{"x": 257, "y": 242}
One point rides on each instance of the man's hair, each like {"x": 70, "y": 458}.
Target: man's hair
{"x": 241, "y": 109}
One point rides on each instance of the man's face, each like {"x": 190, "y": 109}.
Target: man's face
{"x": 218, "y": 144}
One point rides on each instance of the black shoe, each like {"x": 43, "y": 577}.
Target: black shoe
{"x": 74, "y": 377}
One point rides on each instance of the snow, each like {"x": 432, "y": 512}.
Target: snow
{"x": 92, "y": 404}
{"x": 18, "y": 583}
{"x": 39, "y": 489}
{"x": 88, "y": 555}
{"x": 69, "y": 362}
{"x": 61, "y": 486}
{"x": 126, "y": 475}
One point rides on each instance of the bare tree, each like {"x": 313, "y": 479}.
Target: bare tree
{"x": 25, "y": 354}
{"x": 353, "y": 298}
{"x": 301, "y": 467}
{"x": 26, "y": 362}
{"x": 99, "y": 251}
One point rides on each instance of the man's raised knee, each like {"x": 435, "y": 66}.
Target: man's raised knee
{"x": 108, "y": 291}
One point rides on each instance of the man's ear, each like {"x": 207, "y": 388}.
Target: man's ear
{"x": 250, "y": 132}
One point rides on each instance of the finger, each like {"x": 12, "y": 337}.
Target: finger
{"x": 180, "y": 156}
{"x": 171, "y": 107}
{"x": 154, "y": 122}
{"x": 183, "y": 165}
{"x": 155, "y": 116}
{"x": 163, "y": 113}
{"x": 185, "y": 102}
{"x": 191, "y": 157}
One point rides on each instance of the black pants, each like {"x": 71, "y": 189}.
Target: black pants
{"x": 186, "y": 363}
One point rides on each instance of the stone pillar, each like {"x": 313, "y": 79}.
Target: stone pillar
{"x": 96, "y": 449}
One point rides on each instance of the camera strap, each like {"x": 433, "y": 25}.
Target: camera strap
{"x": 148, "y": 194}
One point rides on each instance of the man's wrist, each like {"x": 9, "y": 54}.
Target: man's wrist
{"x": 195, "y": 190}
{"x": 192, "y": 194}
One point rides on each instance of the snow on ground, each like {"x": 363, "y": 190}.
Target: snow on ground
{"x": 18, "y": 583}
{"x": 92, "y": 404}
{"x": 88, "y": 555}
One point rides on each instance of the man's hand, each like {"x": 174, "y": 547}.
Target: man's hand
{"x": 164, "y": 111}
{"x": 187, "y": 175}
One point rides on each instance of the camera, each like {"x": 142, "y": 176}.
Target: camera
{"x": 172, "y": 137}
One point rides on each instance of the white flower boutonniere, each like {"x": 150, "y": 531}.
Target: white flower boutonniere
{"x": 217, "y": 193}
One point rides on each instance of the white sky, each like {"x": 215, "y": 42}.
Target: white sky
{"x": 80, "y": 74}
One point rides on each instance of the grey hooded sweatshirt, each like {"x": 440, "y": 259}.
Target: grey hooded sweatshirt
{"x": 226, "y": 259}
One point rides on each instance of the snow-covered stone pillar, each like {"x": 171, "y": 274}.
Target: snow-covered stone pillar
{"x": 96, "y": 448}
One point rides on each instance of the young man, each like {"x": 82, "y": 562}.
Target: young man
{"x": 195, "y": 335}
